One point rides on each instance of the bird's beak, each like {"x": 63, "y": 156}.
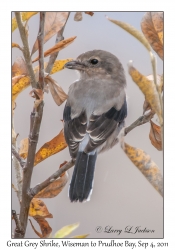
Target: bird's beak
{"x": 74, "y": 65}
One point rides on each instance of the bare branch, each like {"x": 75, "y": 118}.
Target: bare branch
{"x": 18, "y": 228}
{"x": 35, "y": 122}
{"x": 54, "y": 56}
{"x": 35, "y": 190}
{"x": 140, "y": 121}
{"x": 21, "y": 161}
{"x": 41, "y": 49}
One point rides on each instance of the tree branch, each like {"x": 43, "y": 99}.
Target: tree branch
{"x": 26, "y": 50}
{"x": 35, "y": 190}
{"x": 140, "y": 121}
{"x": 17, "y": 222}
{"x": 54, "y": 56}
{"x": 35, "y": 122}
{"x": 21, "y": 161}
{"x": 41, "y": 49}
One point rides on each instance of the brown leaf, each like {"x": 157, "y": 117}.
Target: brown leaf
{"x": 144, "y": 163}
{"x": 155, "y": 136}
{"x": 54, "y": 21}
{"x": 153, "y": 30}
{"x": 57, "y": 92}
{"x": 38, "y": 209}
{"x": 57, "y": 47}
{"x": 38, "y": 93}
{"x": 78, "y": 16}
{"x": 55, "y": 187}
{"x": 24, "y": 145}
{"x": 44, "y": 226}
{"x": 19, "y": 67}
{"x": 37, "y": 233}
{"x": 52, "y": 147}
{"x": 89, "y": 13}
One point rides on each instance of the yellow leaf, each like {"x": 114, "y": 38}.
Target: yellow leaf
{"x": 155, "y": 135}
{"x": 80, "y": 236}
{"x": 66, "y": 230}
{"x": 18, "y": 87}
{"x": 148, "y": 88}
{"x": 38, "y": 209}
{"x": 57, "y": 47}
{"x": 54, "y": 188}
{"x": 152, "y": 28}
{"x": 52, "y": 147}
{"x": 58, "y": 66}
{"x": 25, "y": 16}
{"x": 144, "y": 163}
{"x": 15, "y": 45}
{"x": 133, "y": 31}
{"x": 24, "y": 145}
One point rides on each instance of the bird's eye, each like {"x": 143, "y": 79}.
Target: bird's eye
{"x": 93, "y": 61}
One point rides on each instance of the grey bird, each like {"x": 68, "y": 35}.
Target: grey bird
{"x": 93, "y": 116}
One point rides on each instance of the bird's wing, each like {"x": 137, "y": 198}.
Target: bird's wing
{"x": 74, "y": 130}
{"x": 100, "y": 127}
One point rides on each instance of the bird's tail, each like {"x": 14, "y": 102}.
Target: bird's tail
{"x": 82, "y": 178}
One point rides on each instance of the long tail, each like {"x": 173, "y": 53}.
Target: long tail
{"x": 82, "y": 178}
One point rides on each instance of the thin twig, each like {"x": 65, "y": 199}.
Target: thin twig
{"x": 41, "y": 49}
{"x": 18, "y": 228}
{"x": 35, "y": 190}
{"x": 54, "y": 56}
{"x": 21, "y": 161}
{"x": 16, "y": 165}
{"x": 35, "y": 122}
{"x": 140, "y": 121}
{"x": 26, "y": 50}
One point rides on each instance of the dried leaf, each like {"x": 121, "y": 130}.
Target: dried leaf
{"x": 55, "y": 187}
{"x": 78, "y": 16}
{"x": 25, "y": 16}
{"x": 144, "y": 163}
{"x": 152, "y": 28}
{"x": 80, "y": 236}
{"x": 38, "y": 209}
{"x": 57, "y": 47}
{"x": 23, "y": 150}
{"x": 133, "y": 31}
{"x": 54, "y": 21}
{"x": 57, "y": 92}
{"x": 146, "y": 105}
{"x": 148, "y": 88}
{"x": 37, "y": 233}
{"x": 44, "y": 226}
{"x": 52, "y": 147}
{"x": 155, "y": 135}
{"x": 15, "y": 45}
{"x": 89, "y": 13}
{"x": 38, "y": 93}
{"x": 64, "y": 231}
{"x": 19, "y": 67}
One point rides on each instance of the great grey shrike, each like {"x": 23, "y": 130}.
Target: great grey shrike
{"x": 93, "y": 115}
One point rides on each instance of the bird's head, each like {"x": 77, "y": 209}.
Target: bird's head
{"x": 97, "y": 64}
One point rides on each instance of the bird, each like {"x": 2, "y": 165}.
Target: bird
{"x": 93, "y": 116}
